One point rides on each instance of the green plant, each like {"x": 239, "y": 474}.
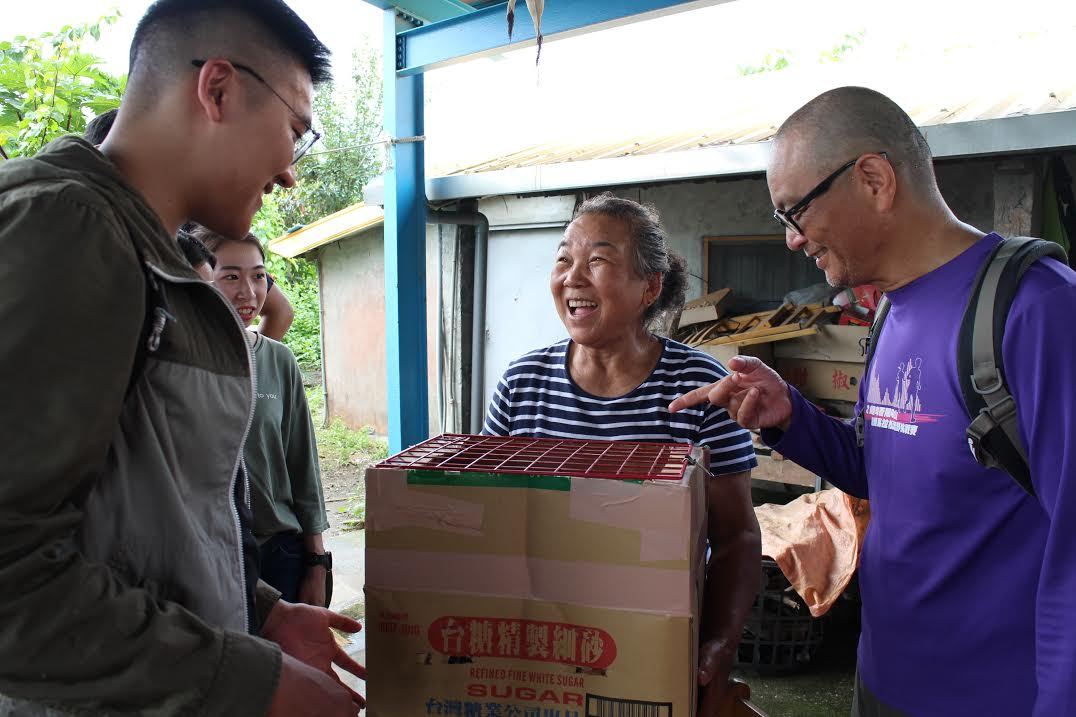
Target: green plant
{"x": 315, "y": 400}
{"x": 50, "y": 86}
{"x": 354, "y": 513}
{"x": 330, "y": 178}
{"x": 771, "y": 62}
{"x": 333, "y": 175}
{"x": 340, "y": 447}
{"x": 851, "y": 41}
{"x": 304, "y": 336}
{"x": 345, "y": 446}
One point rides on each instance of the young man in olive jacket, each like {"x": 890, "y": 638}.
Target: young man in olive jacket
{"x": 125, "y": 584}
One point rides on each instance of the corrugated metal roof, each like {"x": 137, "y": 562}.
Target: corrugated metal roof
{"x": 344, "y": 223}
{"x": 736, "y": 129}
{"x": 671, "y": 86}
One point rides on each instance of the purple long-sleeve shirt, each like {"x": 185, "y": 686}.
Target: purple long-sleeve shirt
{"x": 968, "y": 583}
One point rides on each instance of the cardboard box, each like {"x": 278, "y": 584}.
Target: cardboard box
{"x": 705, "y": 308}
{"x": 831, "y": 343}
{"x": 723, "y": 352}
{"x": 493, "y": 594}
{"x": 834, "y": 380}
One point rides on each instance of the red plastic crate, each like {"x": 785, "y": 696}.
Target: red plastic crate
{"x": 620, "y": 460}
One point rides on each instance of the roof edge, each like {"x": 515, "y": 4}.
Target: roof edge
{"x": 977, "y": 138}
{"x": 339, "y": 225}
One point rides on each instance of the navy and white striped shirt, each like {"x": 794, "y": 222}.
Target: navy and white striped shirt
{"x": 537, "y": 398}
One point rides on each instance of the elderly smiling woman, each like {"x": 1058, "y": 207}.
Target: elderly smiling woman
{"x": 613, "y": 379}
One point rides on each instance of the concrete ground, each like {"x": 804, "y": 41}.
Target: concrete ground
{"x": 349, "y": 576}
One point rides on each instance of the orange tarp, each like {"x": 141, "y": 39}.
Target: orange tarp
{"x": 816, "y": 540}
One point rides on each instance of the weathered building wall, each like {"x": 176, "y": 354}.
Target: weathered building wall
{"x": 353, "y": 329}
{"x": 520, "y": 315}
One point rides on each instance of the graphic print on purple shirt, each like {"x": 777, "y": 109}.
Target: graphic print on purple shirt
{"x": 899, "y": 406}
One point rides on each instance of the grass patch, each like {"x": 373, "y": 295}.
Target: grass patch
{"x": 342, "y": 448}
{"x": 354, "y": 513}
{"x": 356, "y": 611}
{"x": 339, "y": 445}
{"x": 345, "y": 446}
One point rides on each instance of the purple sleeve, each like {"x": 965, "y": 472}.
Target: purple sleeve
{"x": 822, "y": 444}
{"x": 1038, "y": 352}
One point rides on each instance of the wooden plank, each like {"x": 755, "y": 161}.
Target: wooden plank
{"x": 798, "y": 314}
{"x": 746, "y": 317}
{"x": 771, "y": 338}
{"x": 819, "y": 313}
{"x": 688, "y": 337}
{"x": 779, "y": 315}
{"x": 754, "y": 333}
{"x": 812, "y": 318}
{"x": 702, "y": 336}
{"x": 748, "y": 325}
{"x": 738, "y": 330}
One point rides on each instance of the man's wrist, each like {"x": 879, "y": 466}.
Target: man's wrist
{"x": 316, "y": 560}
{"x": 275, "y": 616}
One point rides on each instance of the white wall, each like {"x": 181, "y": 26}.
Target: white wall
{"x": 520, "y": 315}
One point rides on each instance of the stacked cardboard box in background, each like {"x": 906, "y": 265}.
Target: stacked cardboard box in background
{"x": 534, "y": 577}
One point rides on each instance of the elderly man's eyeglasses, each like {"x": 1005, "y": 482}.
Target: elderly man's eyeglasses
{"x": 308, "y": 138}
{"x": 787, "y": 217}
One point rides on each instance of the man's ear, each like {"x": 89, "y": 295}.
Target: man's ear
{"x": 217, "y": 81}
{"x": 879, "y": 179}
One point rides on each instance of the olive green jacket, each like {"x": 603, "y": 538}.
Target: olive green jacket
{"x": 121, "y": 569}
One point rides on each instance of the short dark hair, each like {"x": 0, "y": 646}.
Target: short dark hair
{"x": 213, "y": 241}
{"x": 650, "y": 248}
{"x": 196, "y": 252}
{"x": 286, "y": 29}
{"x": 98, "y": 128}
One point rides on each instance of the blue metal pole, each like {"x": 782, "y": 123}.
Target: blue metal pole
{"x": 405, "y": 253}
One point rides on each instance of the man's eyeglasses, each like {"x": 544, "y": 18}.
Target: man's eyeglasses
{"x": 308, "y": 138}
{"x": 787, "y": 217}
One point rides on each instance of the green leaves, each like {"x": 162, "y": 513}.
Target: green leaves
{"x": 347, "y": 114}
{"x": 51, "y": 86}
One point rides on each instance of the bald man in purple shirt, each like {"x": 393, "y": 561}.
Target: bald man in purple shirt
{"x": 968, "y": 581}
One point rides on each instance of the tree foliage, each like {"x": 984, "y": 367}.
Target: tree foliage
{"x": 51, "y": 85}
{"x": 330, "y": 178}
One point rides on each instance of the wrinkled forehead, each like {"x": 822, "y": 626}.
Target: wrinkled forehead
{"x": 594, "y": 228}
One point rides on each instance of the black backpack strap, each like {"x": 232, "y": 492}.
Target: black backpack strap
{"x": 868, "y": 352}
{"x": 994, "y": 434}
